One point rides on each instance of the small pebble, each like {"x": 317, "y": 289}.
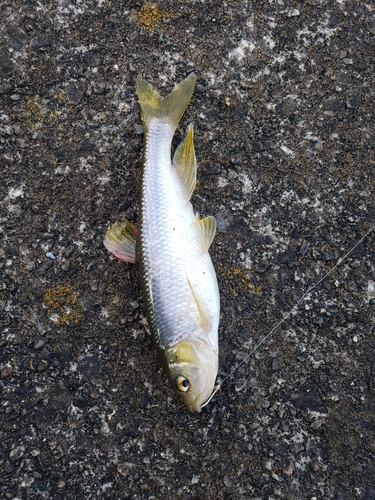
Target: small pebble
{"x": 39, "y": 343}
{"x": 293, "y": 13}
{"x": 316, "y": 424}
{"x": 17, "y": 453}
{"x": 138, "y": 129}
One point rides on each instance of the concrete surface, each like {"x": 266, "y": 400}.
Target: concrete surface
{"x": 284, "y": 119}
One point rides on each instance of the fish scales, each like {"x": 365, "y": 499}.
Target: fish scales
{"x": 171, "y": 249}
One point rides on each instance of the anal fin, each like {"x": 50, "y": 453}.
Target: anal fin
{"x": 121, "y": 240}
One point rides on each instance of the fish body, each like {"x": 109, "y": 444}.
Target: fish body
{"x": 177, "y": 277}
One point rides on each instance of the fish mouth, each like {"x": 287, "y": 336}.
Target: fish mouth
{"x": 198, "y": 407}
{"x": 195, "y": 406}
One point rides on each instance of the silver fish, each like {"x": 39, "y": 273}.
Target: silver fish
{"x": 178, "y": 280}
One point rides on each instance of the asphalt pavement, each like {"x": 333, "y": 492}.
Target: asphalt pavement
{"x": 284, "y": 121}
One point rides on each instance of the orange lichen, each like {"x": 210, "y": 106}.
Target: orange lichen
{"x": 150, "y": 18}
{"x": 239, "y": 280}
{"x": 63, "y": 304}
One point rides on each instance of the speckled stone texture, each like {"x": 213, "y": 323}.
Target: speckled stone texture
{"x": 284, "y": 128}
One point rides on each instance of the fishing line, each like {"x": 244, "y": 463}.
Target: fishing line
{"x": 288, "y": 314}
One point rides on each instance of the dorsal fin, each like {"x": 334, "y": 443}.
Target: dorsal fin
{"x": 205, "y": 230}
{"x": 185, "y": 163}
{"x": 121, "y": 240}
{"x": 204, "y": 314}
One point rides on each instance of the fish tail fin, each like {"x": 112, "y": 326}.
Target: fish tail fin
{"x": 170, "y": 108}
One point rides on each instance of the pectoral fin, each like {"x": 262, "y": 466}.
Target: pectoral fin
{"x": 121, "y": 240}
{"x": 204, "y": 314}
{"x": 185, "y": 163}
{"x": 205, "y": 230}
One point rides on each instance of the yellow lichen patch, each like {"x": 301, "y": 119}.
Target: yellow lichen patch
{"x": 239, "y": 280}
{"x": 33, "y": 107}
{"x": 150, "y": 18}
{"x": 38, "y": 113}
{"x": 63, "y": 305}
{"x": 62, "y": 96}
{"x": 53, "y": 114}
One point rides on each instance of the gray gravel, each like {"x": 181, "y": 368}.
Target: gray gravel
{"x": 284, "y": 118}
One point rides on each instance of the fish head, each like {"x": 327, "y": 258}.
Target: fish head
{"x": 191, "y": 366}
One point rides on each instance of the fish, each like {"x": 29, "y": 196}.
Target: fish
{"x": 171, "y": 250}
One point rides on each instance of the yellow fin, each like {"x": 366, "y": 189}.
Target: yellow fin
{"x": 185, "y": 163}
{"x": 205, "y": 317}
{"x": 205, "y": 230}
{"x": 121, "y": 240}
{"x": 170, "y": 108}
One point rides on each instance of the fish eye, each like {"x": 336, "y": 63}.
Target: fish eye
{"x": 182, "y": 383}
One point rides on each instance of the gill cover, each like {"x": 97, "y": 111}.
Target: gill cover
{"x": 191, "y": 366}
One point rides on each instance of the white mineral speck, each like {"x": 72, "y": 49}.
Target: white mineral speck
{"x": 15, "y": 193}
{"x": 293, "y": 13}
{"x": 287, "y": 150}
